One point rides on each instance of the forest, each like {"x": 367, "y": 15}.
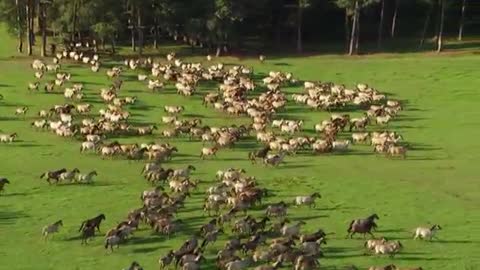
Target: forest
{"x": 241, "y": 26}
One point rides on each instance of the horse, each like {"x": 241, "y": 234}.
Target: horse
{"x": 52, "y": 228}
{"x": 363, "y": 226}
{"x": 55, "y": 175}
{"x": 3, "y": 182}
{"x": 93, "y": 222}
{"x": 113, "y": 240}
{"x": 87, "y": 232}
{"x": 86, "y": 178}
{"x": 69, "y": 176}
{"x": 134, "y": 266}
{"x": 262, "y": 153}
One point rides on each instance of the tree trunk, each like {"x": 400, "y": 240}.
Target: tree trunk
{"x": 28, "y": 15}
{"x": 155, "y": 33}
{"x": 43, "y": 15}
{"x": 380, "y": 25}
{"x": 357, "y": 36}
{"x": 140, "y": 31}
{"x": 299, "y": 27}
{"x": 32, "y": 20}
{"x": 440, "y": 28}
{"x": 425, "y": 25}
{"x": 219, "y": 50}
{"x": 354, "y": 30}
{"x": 134, "y": 46}
{"x": 347, "y": 30}
{"x": 20, "y": 27}
{"x": 74, "y": 21}
{"x": 394, "y": 19}
{"x": 113, "y": 45}
{"x": 462, "y": 20}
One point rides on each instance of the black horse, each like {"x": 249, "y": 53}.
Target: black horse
{"x": 55, "y": 175}
{"x": 3, "y": 182}
{"x": 262, "y": 153}
{"x": 93, "y": 222}
{"x": 362, "y": 226}
{"x": 87, "y": 232}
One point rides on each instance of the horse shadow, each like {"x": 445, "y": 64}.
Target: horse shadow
{"x": 15, "y": 194}
{"x": 76, "y": 238}
{"x": 146, "y": 250}
{"x": 11, "y": 217}
{"x": 144, "y": 240}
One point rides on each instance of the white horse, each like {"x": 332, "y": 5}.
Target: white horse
{"x": 86, "y": 178}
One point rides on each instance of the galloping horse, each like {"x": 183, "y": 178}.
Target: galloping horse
{"x": 262, "y": 153}
{"x": 55, "y": 175}
{"x": 87, "y": 232}
{"x": 363, "y": 226}
{"x": 93, "y": 222}
{"x": 3, "y": 181}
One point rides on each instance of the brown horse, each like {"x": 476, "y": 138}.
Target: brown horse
{"x": 362, "y": 226}
{"x": 3, "y": 182}
{"x": 55, "y": 175}
{"x": 93, "y": 222}
{"x": 262, "y": 153}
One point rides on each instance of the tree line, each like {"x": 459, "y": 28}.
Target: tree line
{"x": 224, "y": 25}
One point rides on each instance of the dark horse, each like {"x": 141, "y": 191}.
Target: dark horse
{"x": 363, "y": 226}
{"x": 262, "y": 153}
{"x": 87, "y": 232}
{"x": 92, "y": 223}
{"x": 3, "y": 181}
{"x": 55, "y": 175}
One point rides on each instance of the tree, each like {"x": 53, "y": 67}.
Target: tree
{"x": 20, "y": 24}
{"x": 105, "y": 31}
{"x": 301, "y": 6}
{"x": 42, "y": 10}
{"x": 394, "y": 19}
{"x": 221, "y": 22}
{"x": 380, "y": 24}
{"x": 428, "y": 15}
{"x": 442, "y": 4}
{"x": 29, "y": 13}
{"x": 462, "y": 20}
{"x": 356, "y": 6}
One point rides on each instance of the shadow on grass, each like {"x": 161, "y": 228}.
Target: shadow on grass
{"x": 11, "y": 217}
{"x": 33, "y": 145}
{"x": 14, "y": 194}
{"x": 146, "y": 250}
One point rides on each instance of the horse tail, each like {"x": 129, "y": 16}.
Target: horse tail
{"x": 81, "y": 226}
{"x": 43, "y": 175}
{"x": 106, "y": 243}
{"x": 350, "y": 226}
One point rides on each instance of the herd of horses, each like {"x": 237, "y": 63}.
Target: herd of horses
{"x": 270, "y": 242}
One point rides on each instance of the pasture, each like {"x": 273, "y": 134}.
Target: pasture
{"x": 436, "y": 184}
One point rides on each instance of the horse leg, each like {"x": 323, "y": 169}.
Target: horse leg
{"x": 371, "y": 234}
{"x": 351, "y": 235}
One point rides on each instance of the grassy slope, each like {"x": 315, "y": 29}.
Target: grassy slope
{"x": 436, "y": 183}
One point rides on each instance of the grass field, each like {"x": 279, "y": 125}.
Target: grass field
{"x": 437, "y": 183}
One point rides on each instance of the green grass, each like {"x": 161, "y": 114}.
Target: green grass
{"x": 437, "y": 183}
